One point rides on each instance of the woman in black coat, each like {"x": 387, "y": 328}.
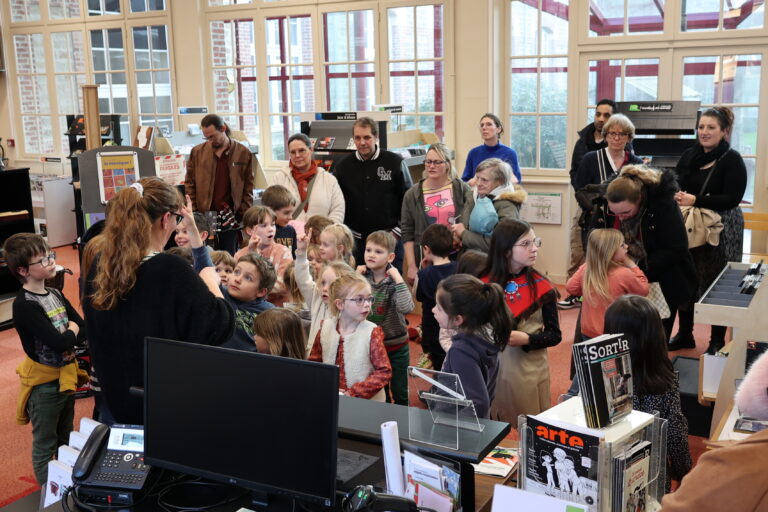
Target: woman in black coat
{"x": 640, "y": 202}
{"x": 712, "y": 157}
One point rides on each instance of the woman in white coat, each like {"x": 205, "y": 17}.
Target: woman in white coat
{"x": 316, "y": 191}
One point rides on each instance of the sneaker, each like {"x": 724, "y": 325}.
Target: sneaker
{"x": 569, "y": 302}
{"x": 425, "y": 362}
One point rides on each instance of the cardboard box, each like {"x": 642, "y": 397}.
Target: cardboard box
{"x": 409, "y": 138}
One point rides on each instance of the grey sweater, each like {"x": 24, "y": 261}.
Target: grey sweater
{"x": 392, "y": 301}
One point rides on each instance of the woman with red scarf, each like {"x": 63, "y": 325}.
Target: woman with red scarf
{"x": 316, "y": 191}
{"x": 523, "y": 383}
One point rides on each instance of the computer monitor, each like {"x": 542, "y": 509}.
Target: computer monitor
{"x": 261, "y": 422}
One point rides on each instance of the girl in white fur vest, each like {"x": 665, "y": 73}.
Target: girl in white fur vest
{"x": 351, "y": 342}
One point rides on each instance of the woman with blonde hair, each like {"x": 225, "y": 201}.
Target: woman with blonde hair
{"x": 279, "y": 332}
{"x": 439, "y": 197}
{"x": 608, "y": 274}
{"x": 133, "y": 290}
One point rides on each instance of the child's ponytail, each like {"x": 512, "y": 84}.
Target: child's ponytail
{"x": 479, "y": 304}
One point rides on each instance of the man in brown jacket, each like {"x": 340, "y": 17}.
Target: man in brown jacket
{"x": 220, "y": 175}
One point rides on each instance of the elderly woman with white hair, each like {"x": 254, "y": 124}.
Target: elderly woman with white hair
{"x": 495, "y": 198}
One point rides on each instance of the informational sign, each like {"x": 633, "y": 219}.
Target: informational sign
{"x": 543, "y": 208}
{"x": 116, "y": 170}
{"x": 171, "y": 168}
{"x": 193, "y": 110}
{"x": 336, "y": 116}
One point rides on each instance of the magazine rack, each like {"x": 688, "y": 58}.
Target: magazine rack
{"x": 616, "y": 442}
{"x": 449, "y": 408}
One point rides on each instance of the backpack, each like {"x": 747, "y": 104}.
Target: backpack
{"x": 483, "y": 218}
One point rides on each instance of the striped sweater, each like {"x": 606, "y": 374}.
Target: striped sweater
{"x": 391, "y": 302}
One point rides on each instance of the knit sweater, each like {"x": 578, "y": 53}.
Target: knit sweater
{"x": 169, "y": 300}
{"x": 391, "y": 302}
{"x": 313, "y": 297}
{"x": 484, "y": 152}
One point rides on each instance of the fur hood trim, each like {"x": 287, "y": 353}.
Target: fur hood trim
{"x": 519, "y": 195}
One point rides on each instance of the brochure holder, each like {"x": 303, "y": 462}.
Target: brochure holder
{"x": 448, "y": 408}
{"x": 617, "y": 442}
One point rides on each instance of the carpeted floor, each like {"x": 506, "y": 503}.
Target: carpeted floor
{"x": 16, "y": 440}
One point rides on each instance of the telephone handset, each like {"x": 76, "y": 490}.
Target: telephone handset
{"x": 110, "y": 467}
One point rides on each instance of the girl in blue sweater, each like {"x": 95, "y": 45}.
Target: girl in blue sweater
{"x": 478, "y": 312}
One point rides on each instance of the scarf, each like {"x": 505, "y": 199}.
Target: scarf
{"x": 302, "y": 179}
{"x": 633, "y": 235}
{"x": 700, "y": 158}
{"x": 520, "y": 296}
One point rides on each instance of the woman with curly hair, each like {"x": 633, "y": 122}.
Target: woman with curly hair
{"x": 134, "y": 290}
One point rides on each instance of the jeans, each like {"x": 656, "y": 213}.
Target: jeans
{"x": 52, "y": 414}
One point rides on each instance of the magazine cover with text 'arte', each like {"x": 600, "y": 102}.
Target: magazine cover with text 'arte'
{"x": 562, "y": 463}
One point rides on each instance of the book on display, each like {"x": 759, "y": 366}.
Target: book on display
{"x": 605, "y": 378}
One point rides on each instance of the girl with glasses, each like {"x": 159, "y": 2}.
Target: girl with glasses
{"x": 438, "y": 198}
{"x": 523, "y": 383}
{"x": 351, "y": 342}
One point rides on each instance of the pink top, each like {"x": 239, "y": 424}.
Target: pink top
{"x": 621, "y": 281}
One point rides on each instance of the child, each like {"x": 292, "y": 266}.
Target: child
{"x": 49, "y": 327}
{"x": 315, "y": 261}
{"x": 314, "y": 226}
{"x": 351, "y": 342}
{"x": 477, "y": 311}
{"x": 280, "y": 332}
{"x": 259, "y": 225}
{"x": 391, "y": 302}
{"x": 283, "y": 204}
{"x": 607, "y": 274}
{"x": 471, "y": 262}
{"x": 294, "y": 300}
{"x": 225, "y": 265}
{"x": 523, "y": 386}
{"x": 203, "y": 224}
{"x": 184, "y": 253}
{"x": 315, "y": 295}
{"x": 655, "y": 383}
{"x": 337, "y": 243}
{"x": 248, "y": 286}
{"x": 437, "y": 244}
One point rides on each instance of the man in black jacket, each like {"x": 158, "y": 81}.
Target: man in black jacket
{"x": 590, "y": 139}
{"x": 373, "y": 182}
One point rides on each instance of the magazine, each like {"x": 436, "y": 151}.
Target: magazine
{"x": 499, "y": 462}
{"x": 562, "y": 462}
{"x": 605, "y": 378}
{"x": 630, "y": 477}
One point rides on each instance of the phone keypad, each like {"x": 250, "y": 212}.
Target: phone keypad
{"x": 122, "y": 468}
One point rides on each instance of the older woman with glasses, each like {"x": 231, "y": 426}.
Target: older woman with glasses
{"x": 315, "y": 190}
{"x": 439, "y": 197}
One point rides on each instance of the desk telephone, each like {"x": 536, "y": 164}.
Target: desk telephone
{"x": 110, "y": 468}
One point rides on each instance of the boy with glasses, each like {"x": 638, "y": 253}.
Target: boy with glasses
{"x": 49, "y": 328}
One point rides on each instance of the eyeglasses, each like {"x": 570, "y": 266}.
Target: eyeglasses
{"x": 529, "y": 243}
{"x": 616, "y": 135}
{"x": 361, "y": 300}
{"x": 429, "y": 163}
{"x": 179, "y": 217}
{"x": 46, "y": 260}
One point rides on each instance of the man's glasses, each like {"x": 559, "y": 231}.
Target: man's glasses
{"x": 430, "y": 163}
{"x": 529, "y": 243}
{"x": 361, "y": 300}
{"x": 46, "y": 260}
{"x": 616, "y": 135}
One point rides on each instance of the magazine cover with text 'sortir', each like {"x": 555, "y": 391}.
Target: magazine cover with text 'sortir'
{"x": 561, "y": 462}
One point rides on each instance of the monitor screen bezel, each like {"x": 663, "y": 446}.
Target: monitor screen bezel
{"x": 235, "y": 480}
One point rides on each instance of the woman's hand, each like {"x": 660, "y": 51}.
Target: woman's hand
{"x": 211, "y": 279}
{"x": 188, "y": 223}
{"x": 518, "y": 339}
{"x": 458, "y": 229}
{"x": 411, "y": 274}
{"x": 685, "y": 199}
{"x": 72, "y": 326}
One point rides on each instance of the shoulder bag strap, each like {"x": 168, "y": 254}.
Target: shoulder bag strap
{"x": 300, "y": 207}
{"x": 709, "y": 174}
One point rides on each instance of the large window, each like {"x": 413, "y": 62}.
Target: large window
{"x": 538, "y": 84}
{"x": 623, "y": 80}
{"x": 698, "y": 15}
{"x": 36, "y": 122}
{"x": 69, "y": 73}
{"x": 291, "y": 76}
{"x": 350, "y": 56}
{"x": 109, "y": 73}
{"x": 233, "y": 48}
{"x": 416, "y": 66}
{"x": 732, "y": 80}
{"x": 152, "y": 69}
{"x": 626, "y": 17}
